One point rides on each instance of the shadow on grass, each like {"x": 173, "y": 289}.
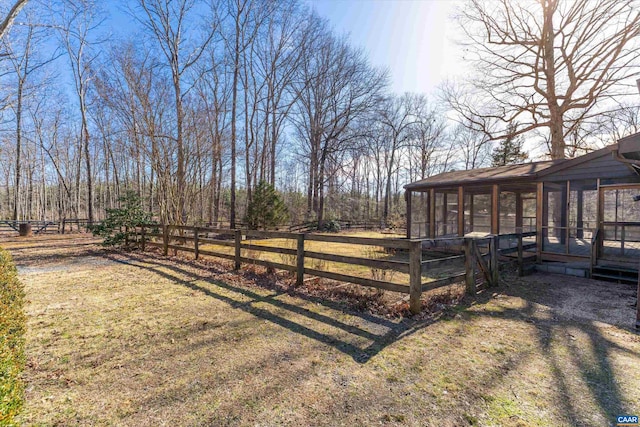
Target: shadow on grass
{"x": 393, "y": 330}
{"x": 560, "y": 349}
{"x": 23, "y": 259}
{"x": 592, "y": 360}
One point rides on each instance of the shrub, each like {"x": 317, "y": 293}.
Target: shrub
{"x": 331, "y": 226}
{"x": 121, "y": 224}
{"x": 266, "y": 208}
{"x": 12, "y": 329}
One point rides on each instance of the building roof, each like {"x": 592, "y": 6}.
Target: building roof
{"x": 629, "y": 147}
{"x": 484, "y": 175}
{"x": 524, "y": 172}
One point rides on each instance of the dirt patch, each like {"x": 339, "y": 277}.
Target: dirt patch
{"x": 580, "y": 299}
{"x": 142, "y": 340}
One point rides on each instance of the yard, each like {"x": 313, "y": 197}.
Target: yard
{"x": 139, "y": 339}
{"x": 257, "y": 249}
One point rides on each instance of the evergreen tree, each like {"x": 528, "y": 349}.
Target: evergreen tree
{"x": 266, "y": 208}
{"x": 120, "y": 224}
{"x": 509, "y": 152}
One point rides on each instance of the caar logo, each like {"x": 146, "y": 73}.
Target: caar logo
{"x": 627, "y": 421}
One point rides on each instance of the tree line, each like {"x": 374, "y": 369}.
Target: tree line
{"x": 198, "y": 104}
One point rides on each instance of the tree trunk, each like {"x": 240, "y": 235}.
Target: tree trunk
{"x": 555, "y": 111}
{"x": 16, "y": 192}
{"x": 234, "y": 101}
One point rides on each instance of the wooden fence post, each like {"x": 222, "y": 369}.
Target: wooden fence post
{"x": 142, "y": 242}
{"x": 165, "y": 239}
{"x": 520, "y": 256}
{"x": 238, "y": 234}
{"x": 470, "y": 266}
{"x": 300, "y": 260}
{"x": 415, "y": 276}
{"x": 495, "y": 274}
{"x": 196, "y": 243}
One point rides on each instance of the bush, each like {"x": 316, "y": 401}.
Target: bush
{"x": 121, "y": 224}
{"x": 331, "y": 226}
{"x": 266, "y": 208}
{"x": 12, "y": 329}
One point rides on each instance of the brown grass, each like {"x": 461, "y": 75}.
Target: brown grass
{"x": 137, "y": 339}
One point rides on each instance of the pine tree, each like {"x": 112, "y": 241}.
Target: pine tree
{"x": 120, "y": 224}
{"x": 509, "y": 152}
{"x": 266, "y": 208}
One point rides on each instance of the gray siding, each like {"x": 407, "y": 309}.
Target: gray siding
{"x": 602, "y": 167}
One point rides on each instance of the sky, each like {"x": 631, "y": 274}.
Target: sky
{"x": 412, "y": 38}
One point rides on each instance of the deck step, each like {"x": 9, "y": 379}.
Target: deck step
{"x": 617, "y": 268}
{"x": 615, "y": 273}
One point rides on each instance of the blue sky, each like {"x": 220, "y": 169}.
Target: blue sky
{"x": 413, "y": 38}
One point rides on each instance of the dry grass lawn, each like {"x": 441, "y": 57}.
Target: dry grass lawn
{"x": 141, "y": 340}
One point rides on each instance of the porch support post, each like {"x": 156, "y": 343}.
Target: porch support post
{"x": 432, "y": 213}
{"x": 461, "y": 211}
{"x": 407, "y": 196}
{"x": 495, "y": 209}
{"x": 471, "y": 212}
{"x": 567, "y": 200}
{"x": 580, "y": 214}
{"x": 539, "y": 211}
{"x": 444, "y": 213}
{"x": 599, "y": 221}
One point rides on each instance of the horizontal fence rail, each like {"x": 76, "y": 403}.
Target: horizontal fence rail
{"x": 39, "y": 227}
{"x": 478, "y": 257}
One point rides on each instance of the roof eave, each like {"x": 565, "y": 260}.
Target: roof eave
{"x": 458, "y": 183}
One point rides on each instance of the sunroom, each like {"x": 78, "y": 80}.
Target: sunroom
{"x": 584, "y": 209}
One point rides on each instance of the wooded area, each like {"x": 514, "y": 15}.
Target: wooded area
{"x": 201, "y": 102}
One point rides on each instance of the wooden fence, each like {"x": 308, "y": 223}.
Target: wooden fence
{"x": 479, "y": 255}
{"x": 35, "y": 227}
{"x": 40, "y": 227}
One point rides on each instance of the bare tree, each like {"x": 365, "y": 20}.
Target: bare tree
{"x": 336, "y": 86}
{"x": 546, "y": 64}
{"x": 24, "y": 62}
{"x": 8, "y": 20}
{"x": 398, "y": 116}
{"x": 78, "y": 22}
{"x": 245, "y": 18}
{"x": 474, "y": 146}
{"x": 429, "y": 152}
{"x": 168, "y": 22}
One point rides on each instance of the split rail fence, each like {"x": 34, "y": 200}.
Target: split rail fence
{"x": 40, "y": 227}
{"x": 480, "y": 255}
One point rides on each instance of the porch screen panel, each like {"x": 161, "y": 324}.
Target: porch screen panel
{"x": 621, "y": 226}
{"x": 528, "y": 212}
{"x": 468, "y": 224}
{"x": 481, "y": 213}
{"x": 446, "y": 213}
{"x": 440, "y": 216}
{"x": 419, "y": 215}
{"x": 452, "y": 214}
{"x": 583, "y": 214}
{"x": 554, "y": 225}
{"x": 507, "y": 212}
